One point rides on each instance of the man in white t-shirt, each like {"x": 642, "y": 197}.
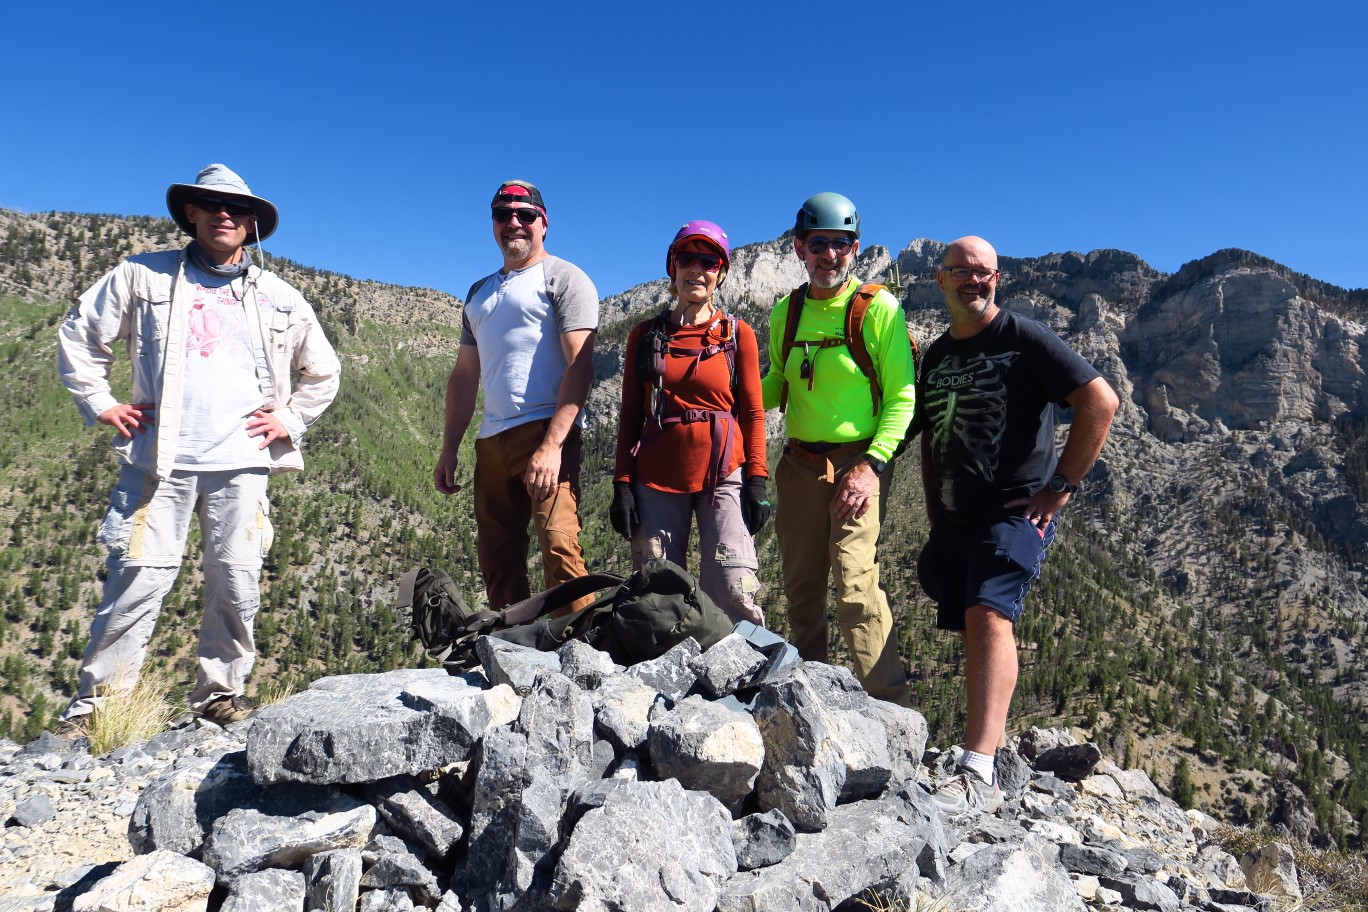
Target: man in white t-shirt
{"x": 230, "y": 367}
{"x": 527, "y": 337}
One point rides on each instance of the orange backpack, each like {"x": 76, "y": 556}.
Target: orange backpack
{"x": 854, "y": 339}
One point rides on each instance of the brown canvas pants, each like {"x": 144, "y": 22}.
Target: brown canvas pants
{"x": 503, "y": 509}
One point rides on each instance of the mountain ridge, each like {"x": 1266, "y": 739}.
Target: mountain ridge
{"x": 1224, "y": 522}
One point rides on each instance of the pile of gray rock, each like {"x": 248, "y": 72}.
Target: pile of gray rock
{"x": 562, "y": 781}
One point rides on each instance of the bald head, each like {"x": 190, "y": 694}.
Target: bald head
{"x": 968, "y": 278}
{"x": 970, "y": 251}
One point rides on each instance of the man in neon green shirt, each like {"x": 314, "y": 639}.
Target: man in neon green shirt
{"x": 832, "y": 484}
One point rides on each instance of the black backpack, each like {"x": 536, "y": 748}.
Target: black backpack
{"x": 636, "y": 619}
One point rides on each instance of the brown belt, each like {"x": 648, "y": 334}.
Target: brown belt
{"x": 819, "y": 453}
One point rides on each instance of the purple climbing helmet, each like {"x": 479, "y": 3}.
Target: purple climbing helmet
{"x": 707, "y": 231}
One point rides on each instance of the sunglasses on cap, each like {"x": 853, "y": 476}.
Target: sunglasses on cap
{"x": 504, "y": 214}
{"x": 710, "y": 262}
{"x": 819, "y": 245}
{"x": 215, "y": 205}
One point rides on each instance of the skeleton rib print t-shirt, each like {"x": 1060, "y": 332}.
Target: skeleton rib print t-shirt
{"x": 987, "y": 406}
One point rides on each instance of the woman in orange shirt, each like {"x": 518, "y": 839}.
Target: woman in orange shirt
{"x": 691, "y": 433}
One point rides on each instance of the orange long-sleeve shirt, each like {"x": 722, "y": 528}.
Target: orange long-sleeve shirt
{"x": 676, "y": 459}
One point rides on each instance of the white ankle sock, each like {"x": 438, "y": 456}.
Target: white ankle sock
{"x": 980, "y": 764}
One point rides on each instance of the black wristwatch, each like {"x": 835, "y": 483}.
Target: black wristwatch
{"x": 1060, "y": 485}
{"x": 875, "y": 463}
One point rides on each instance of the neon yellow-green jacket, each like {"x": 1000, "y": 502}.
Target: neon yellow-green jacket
{"x": 839, "y": 407}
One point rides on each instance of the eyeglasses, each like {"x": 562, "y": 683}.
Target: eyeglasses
{"x": 819, "y": 245}
{"x": 965, "y": 273}
{"x": 710, "y": 262}
{"x": 215, "y": 205}
{"x": 504, "y": 214}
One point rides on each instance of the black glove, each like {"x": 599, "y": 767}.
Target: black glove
{"x": 755, "y": 505}
{"x": 623, "y": 512}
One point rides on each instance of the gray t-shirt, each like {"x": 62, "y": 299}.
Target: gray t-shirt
{"x": 516, "y": 319}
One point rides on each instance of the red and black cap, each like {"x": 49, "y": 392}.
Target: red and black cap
{"x": 518, "y": 191}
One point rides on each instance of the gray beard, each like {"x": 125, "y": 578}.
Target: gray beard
{"x": 517, "y": 248}
{"x": 836, "y": 282}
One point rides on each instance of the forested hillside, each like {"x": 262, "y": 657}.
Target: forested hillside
{"x": 1202, "y": 615}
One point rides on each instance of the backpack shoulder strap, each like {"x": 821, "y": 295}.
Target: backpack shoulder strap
{"x": 795, "y": 312}
{"x": 729, "y": 349}
{"x": 559, "y": 596}
{"x": 855, "y": 340}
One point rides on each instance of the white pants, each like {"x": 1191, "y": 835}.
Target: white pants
{"x": 728, "y": 567}
{"x": 145, "y": 531}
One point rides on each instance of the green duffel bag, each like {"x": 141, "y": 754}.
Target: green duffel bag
{"x": 633, "y": 620}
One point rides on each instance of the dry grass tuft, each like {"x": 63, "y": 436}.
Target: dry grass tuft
{"x": 1330, "y": 879}
{"x": 280, "y": 689}
{"x": 129, "y": 715}
{"x": 876, "y": 903}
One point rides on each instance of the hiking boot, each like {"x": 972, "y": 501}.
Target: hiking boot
{"x": 964, "y": 792}
{"x": 71, "y": 729}
{"x": 230, "y": 708}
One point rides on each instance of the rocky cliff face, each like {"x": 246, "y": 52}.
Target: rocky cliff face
{"x": 1241, "y": 349}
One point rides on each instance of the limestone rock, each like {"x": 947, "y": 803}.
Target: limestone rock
{"x": 584, "y": 664}
{"x": 865, "y": 845}
{"x": 762, "y": 840}
{"x": 622, "y": 710}
{"x": 33, "y": 811}
{"x": 1003, "y": 878}
{"x": 708, "y": 748}
{"x": 727, "y": 665}
{"x": 272, "y": 890}
{"x": 517, "y": 666}
{"x": 670, "y": 674}
{"x": 650, "y": 846}
{"x": 827, "y": 741}
{"x": 1099, "y": 862}
{"x": 402, "y": 871}
{"x": 159, "y": 881}
{"x": 411, "y": 811}
{"x": 247, "y": 840}
{"x": 363, "y": 728}
{"x": 1272, "y": 869}
{"x": 333, "y": 881}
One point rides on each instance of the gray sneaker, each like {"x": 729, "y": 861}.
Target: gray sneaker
{"x": 228, "y": 709}
{"x": 964, "y": 792}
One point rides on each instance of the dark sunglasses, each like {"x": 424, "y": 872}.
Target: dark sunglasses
{"x": 710, "y": 262}
{"x": 215, "y": 205}
{"x": 819, "y": 245}
{"x": 504, "y": 214}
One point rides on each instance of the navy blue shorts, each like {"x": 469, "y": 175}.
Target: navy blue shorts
{"x": 982, "y": 565}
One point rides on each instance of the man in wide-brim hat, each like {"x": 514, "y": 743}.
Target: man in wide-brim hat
{"x": 230, "y": 367}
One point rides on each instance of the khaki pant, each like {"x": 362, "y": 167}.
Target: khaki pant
{"x": 503, "y": 509}
{"x": 815, "y": 545}
{"x": 145, "y": 531}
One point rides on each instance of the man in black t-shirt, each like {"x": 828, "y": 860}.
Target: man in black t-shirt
{"x": 986, "y": 399}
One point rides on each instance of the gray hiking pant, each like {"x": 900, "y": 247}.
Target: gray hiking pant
{"x": 728, "y": 570}
{"x": 145, "y": 531}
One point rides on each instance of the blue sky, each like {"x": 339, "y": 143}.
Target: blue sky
{"x": 381, "y": 130}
